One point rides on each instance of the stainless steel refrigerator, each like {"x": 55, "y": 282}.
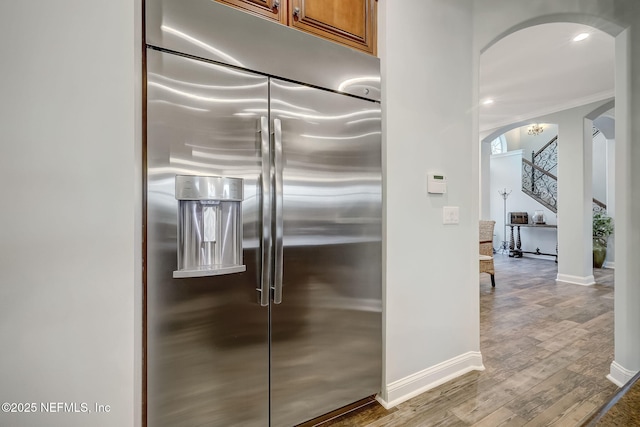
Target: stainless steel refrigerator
{"x": 295, "y": 331}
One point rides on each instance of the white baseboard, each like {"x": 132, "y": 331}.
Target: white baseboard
{"x": 544, "y": 257}
{"x": 619, "y": 375}
{"x": 611, "y": 265}
{"x": 576, "y": 280}
{"x": 415, "y": 384}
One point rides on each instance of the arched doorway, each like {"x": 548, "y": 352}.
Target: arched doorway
{"x": 613, "y": 21}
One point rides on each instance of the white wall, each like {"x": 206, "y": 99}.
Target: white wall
{"x": 506, "y": 172}
{"x": 69, "y": 245}
{"x": 611, "y": 200}
{"x": 431, "y": 270}
{"x": 600, "y": 148}
{"x": 513, "y": 139}
{"x": 606, "y": 124}
{"x": 519, "y": 139}
{"x": 485, "y": 179}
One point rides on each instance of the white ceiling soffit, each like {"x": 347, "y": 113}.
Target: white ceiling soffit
{"x": 541, "y": 70}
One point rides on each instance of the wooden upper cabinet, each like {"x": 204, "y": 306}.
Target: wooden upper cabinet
{"x": 350, "y": 22}
{"x": 275, "y": 10}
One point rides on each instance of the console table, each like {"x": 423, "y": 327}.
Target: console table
{"x": 516, "y": 245}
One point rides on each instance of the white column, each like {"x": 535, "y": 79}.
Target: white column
{"x": 575, "y": 165}
{"x": 627, "y": 175}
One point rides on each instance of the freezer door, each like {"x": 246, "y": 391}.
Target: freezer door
{"x": 207, "y": 339}
{"x": 326, "y": 332}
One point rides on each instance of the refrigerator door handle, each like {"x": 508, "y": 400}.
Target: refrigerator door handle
{"x": 277, "y": 281}
{"x": 265, "y": 176}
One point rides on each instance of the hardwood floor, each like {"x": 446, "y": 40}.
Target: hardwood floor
{"x": 546, "y": 348}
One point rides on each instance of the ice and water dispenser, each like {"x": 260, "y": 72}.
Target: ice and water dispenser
{"x": 209, "y": 226}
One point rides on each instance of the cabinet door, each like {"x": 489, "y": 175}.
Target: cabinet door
{"x": 275, "y": 10}
{"x": 350, "y": 22}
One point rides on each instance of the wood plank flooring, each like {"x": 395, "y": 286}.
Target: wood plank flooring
{"x": 546, "y": 348}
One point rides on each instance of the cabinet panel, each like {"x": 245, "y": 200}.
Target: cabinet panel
{"x": 350, "y": 22}
{"x": 275, "y": 10}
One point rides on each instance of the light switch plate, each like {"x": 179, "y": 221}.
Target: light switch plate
{"x": 450, "y": 215}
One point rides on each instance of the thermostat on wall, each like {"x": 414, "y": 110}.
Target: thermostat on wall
{"x": 437, "y": 184}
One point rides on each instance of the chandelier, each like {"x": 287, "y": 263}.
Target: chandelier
{"x": 535, "y": 129}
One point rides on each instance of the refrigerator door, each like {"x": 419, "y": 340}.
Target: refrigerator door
{"x": 326, "y": 332}
{"x": 207, "y": 341}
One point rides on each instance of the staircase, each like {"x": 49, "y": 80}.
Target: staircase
{"x": 540, "y": 183}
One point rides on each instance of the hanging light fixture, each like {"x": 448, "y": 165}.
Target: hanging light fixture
{"x": 535, "y": 129}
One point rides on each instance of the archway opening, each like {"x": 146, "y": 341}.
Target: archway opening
{"x": 545, "y": 74}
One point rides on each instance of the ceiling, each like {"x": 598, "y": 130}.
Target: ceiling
{"x": 540, "y": 70}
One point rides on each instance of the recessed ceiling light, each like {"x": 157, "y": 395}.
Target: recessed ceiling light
{"x": 487, "y": 102}
{"x": 580, "y": 37}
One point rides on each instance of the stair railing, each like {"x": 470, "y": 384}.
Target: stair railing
{"x": 599, "y": 207}
{"x": 542, "y": 185}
